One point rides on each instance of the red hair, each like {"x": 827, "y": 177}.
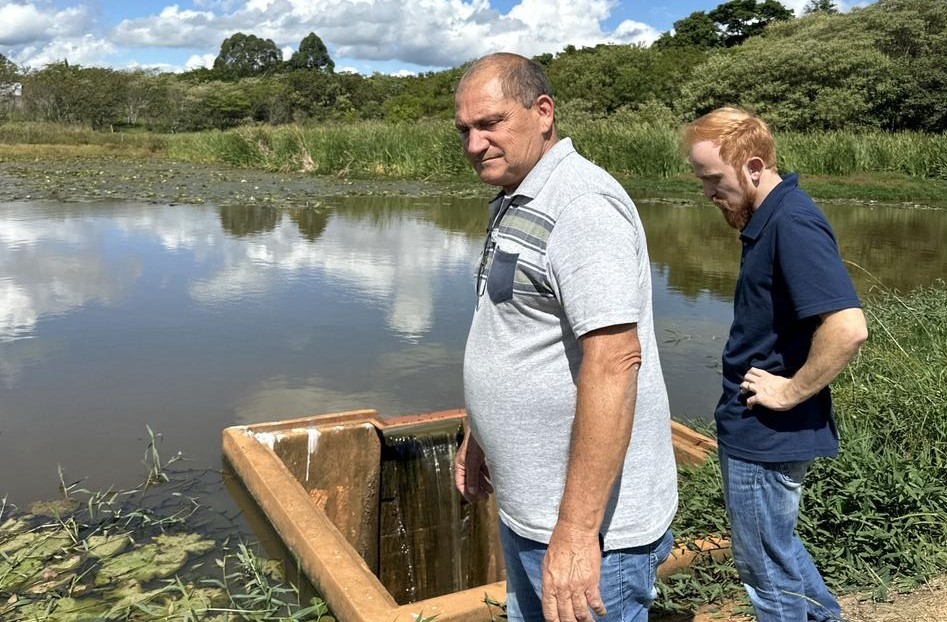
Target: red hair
{"x": 739, "y": 134}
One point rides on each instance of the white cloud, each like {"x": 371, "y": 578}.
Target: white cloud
{"x": 23, "y": 23}
{"x": 172, "y": 27}
{"x": 431, "y": 33}
{"x": 200, "y": 60}
{"x": 84, "y": 50}
{"x": 635, "y": 32}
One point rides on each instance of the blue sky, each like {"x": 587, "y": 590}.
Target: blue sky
{"x": 390, "y": 36}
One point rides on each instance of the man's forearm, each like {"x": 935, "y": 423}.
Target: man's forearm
{"x": 601, "y": 432}
{"x": 834, "y": 344}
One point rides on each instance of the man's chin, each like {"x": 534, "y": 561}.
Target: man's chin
{"x": 490, "y": 177}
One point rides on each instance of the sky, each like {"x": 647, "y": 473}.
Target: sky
{"x": 388, "y": 36}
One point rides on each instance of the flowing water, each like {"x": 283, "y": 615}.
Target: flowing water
{"x": 115, "y": 317}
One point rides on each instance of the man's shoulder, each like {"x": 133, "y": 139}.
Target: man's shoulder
{"x": 576, "y": 176}
{"x": 799, "y": 206}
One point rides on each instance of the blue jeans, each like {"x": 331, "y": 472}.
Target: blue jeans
{"x": 780, "y": 577}
{"x": 627, "y": 578}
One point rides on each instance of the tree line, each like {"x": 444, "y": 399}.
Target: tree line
{"x": 883, "y": 66}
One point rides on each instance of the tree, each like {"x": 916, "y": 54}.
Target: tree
{"x": 824, "y": 72}
{"x": 695, "y": 30}
{"x": 742, "y": 19}
{"x": 312, "y": 54}
{"x": 8, "y": 70}
{"x": 247, "y": 55}
{"x": 820, "y": 6}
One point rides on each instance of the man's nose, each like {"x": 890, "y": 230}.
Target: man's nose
{"x": 476, "y": 141}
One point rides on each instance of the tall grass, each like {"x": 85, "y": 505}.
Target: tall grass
{"x": 431, "y": 150}
{"x": 64, "y": 134}
{"x": 428, "y": 150}
{"x": 875, "y": 518}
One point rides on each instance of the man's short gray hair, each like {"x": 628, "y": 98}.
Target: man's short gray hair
{"x": 520, "y": 78}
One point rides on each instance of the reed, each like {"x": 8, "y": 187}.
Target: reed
{"x": 422, "y": 151}
{"x": 430, "y": 150}
{"x": 65, "y": 134}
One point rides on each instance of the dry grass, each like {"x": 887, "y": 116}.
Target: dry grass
{"x": 925, "y": 604}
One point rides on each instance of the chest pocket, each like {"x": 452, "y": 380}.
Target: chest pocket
{"x": 502, "y": 273}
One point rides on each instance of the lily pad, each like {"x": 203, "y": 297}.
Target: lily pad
{"x": 159, "y": 559}
{"x": 107, "y": 546}
{"x": 55, "y": 507}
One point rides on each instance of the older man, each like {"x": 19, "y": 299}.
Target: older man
{"x": 797, "y": 322}
{"x": 568, "y": 413}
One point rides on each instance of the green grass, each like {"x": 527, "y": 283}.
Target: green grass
{"x": 875, "y": 518}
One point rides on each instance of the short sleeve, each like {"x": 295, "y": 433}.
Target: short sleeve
{"x": 812, "y": 267}
{"x": 594, "y": 263}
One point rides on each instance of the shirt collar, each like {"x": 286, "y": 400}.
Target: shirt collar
{"x": 540, "y": 174}
{"x": 769, "y": 206}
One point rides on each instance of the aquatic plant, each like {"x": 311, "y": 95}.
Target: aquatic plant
{"x": 142, "y": 554}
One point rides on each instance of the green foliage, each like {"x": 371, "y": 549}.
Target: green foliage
{"x": 884, "y": 66}
{"x": 244, "y": 55}
{"x": 798, "y": 82}
{"x": 889, "y": 484}
{"x": 879, "y": 67}
{"x": 611, "y": 76}
{"x": 696, "y": 30}
{"x": 312, "y": 54}
{"x": 875, "y": 517}
{"x": 8, "y": 70}
{"x": 741, "y": 19}
{"x": 820, "y": 6}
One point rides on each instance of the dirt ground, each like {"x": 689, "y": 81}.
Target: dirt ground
{"x": 925, "y": 604}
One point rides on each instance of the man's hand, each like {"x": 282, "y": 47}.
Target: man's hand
{"x": 765, "y": 389}
{"x": 571, "y": 571}
{"x": 471, "y": 475}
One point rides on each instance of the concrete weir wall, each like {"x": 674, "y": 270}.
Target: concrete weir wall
{"x": 325, "y": 484}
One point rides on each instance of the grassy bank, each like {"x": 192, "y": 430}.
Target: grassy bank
{"x": 901, "y": 167}
{"x": 875, "y": 518}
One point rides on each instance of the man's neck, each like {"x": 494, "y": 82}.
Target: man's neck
{"x": 768, "y": 180}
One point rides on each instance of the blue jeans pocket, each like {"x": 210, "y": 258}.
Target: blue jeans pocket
{"x": 792, "y": 474}
{"x": 502, "y": 272}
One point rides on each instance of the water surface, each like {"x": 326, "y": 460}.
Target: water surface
{"x": 189, "y": 319}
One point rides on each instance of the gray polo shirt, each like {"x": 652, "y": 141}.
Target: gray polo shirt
{"x": 567, "y": 256}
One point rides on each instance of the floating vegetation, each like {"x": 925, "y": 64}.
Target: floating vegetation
{"x": 142, "y": 554}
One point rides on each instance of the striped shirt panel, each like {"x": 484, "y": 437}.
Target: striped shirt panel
{"x": 528, "y": 230}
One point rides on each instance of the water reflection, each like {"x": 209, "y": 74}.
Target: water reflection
{"x": 189, "y": 319}
{"x": 884, "y": 247}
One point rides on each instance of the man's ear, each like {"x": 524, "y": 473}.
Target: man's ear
{"x": 755, "y": 166}
{"x": 546, "y": 107}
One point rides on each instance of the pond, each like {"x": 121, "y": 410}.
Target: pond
{"x": 115, "y": 317}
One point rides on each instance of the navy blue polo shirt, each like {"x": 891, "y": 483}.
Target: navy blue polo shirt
{"x": 790, "y": 273}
